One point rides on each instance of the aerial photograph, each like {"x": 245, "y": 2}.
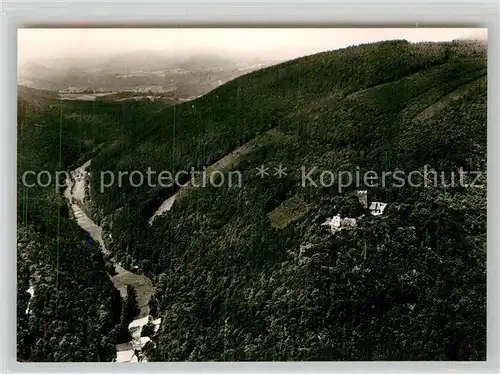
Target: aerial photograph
{"x": 251, "y": 194}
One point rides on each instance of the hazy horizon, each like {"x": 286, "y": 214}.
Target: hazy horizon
{"x": 45, "y": 45}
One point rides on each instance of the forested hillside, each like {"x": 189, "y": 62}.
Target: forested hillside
{"x": 364, "y": 100}
{"x": 249, "y": 273}
{"x": 75, "y": 312}
{"x": 74, "y": 307}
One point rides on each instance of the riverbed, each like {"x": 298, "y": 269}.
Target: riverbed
{"x": 75, "y": 194}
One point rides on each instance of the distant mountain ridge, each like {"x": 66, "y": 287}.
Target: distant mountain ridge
{"x": 141, "y": 67}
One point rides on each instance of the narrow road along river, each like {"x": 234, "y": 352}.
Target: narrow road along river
{"x": 75, "y": 195}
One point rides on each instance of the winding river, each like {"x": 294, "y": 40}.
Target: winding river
{"x": 75, "y": 194}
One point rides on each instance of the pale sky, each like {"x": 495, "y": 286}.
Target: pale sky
{"x": 42, "y": 44}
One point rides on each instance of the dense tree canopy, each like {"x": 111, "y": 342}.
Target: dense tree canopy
{"x": 249, "y": 273}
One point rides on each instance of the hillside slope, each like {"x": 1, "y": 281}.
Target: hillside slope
{"x": 231, "y": 285}
{"x": 74, "y": 314}
{"x": 360, "y": 98}
{"x": 250, "y": 273}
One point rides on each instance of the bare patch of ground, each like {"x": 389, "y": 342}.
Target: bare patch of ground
{"x": 289, "y": 211}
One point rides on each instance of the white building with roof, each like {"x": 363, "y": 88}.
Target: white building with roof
{"x": 337, "y": 224}
{"x": 363, "y": 197}
{"x": 125, "y": 352}
{"x": 377, "y": 208}
{"x": 126, "y": 356}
